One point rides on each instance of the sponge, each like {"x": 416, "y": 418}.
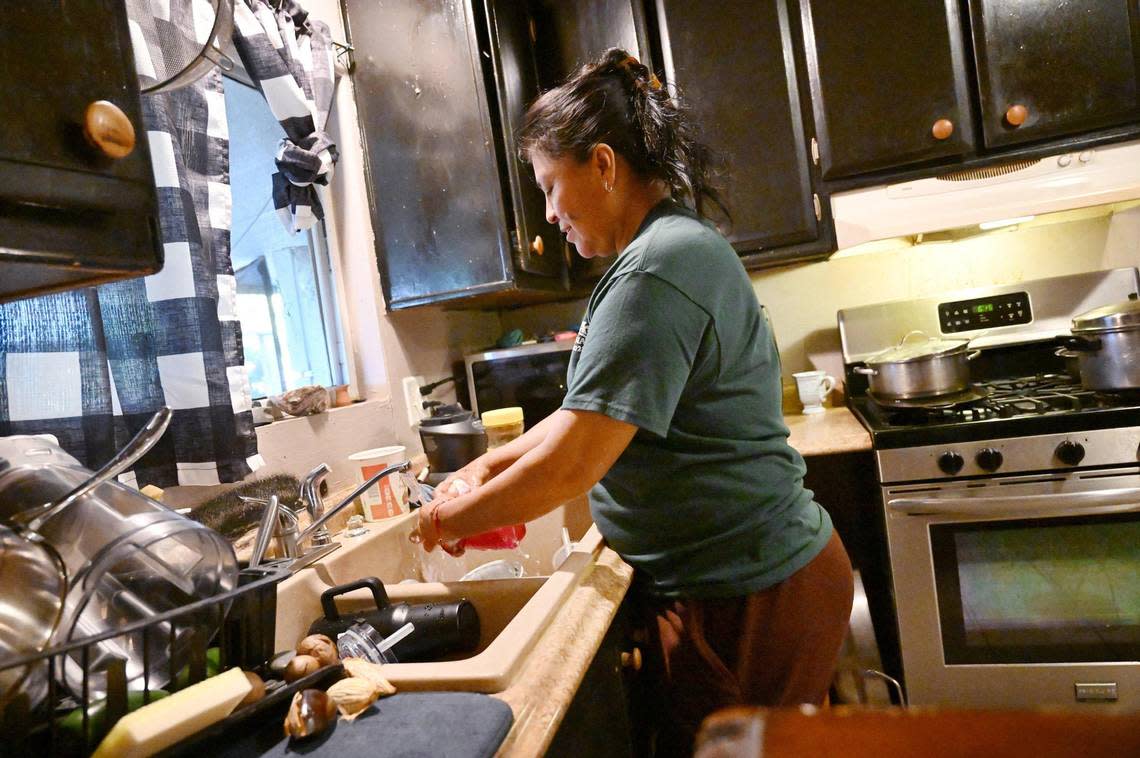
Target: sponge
{"x": 162, "y": 723}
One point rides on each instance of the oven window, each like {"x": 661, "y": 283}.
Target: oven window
{"x": 1063, "y": 590}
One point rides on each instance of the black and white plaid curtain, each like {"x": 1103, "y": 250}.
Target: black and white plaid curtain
{"x": 290, "y": 58}
{"x": 90, "y": 366}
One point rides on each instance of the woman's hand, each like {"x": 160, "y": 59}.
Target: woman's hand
{"x": 473, "y": 475}
{"x": 427, "y": 526}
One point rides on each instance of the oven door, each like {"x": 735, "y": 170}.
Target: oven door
{"x": 1019, "y": 591}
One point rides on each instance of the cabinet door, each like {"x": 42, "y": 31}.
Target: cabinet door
{"x": 538, "y": 244}
{"x": 733, "y": 66}
{"x": 1049, "y": 69}
{"x": 433, "y": 172}
{"x": 567, "y": 35}
{"x": 888, "y": 82}
{"x": 70, "y": 215}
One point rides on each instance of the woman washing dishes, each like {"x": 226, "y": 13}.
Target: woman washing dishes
{"x": 672, "y": 418}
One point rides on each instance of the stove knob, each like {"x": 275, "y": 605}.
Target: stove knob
{"x": 1070, "y": 453}
{"x": 950, "y": 463}
{"x": 989, "y": 459}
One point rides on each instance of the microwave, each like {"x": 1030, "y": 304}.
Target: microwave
{"x": 532, "y": 377}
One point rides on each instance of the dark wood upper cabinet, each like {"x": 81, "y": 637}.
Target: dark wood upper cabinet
{"x": 568, "y": 35}
{"x": 70, "y": 214}
{"x": 454, "y": 216}
{"x": 889, "y": 83}
{"x": 442, "y": 87}
{"x": 733, "y": 66}
{"x": 1048, "y": 69}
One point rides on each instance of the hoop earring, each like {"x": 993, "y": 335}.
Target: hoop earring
{"x": 607, "y": 187}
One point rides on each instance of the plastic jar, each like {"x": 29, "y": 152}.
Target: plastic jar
{"x": 502, "y": 425}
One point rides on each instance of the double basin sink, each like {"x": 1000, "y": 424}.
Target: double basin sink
{"x": 513, "y": 613}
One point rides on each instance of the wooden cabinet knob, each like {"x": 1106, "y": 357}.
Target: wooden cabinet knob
{"x": 632, "y": 659}
{"x": 537, "y": 245}
{"x": 1016, "y": 115}
{"x": 108, "y": 129}
{"x": 942, "y": 128}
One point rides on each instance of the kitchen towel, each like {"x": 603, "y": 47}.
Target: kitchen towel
{"x": 289, "y": 56}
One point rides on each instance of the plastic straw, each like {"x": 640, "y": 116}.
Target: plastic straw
{"x": 396, "y": 636}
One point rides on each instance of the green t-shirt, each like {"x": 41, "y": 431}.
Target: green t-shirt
{"x": 708, "y": 499}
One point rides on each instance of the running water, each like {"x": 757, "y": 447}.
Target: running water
{"x": 418, "y": 494}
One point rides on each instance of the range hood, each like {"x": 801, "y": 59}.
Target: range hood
{"x": 1094, "y": 176}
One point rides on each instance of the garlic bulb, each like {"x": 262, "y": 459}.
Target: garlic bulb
{"x": 353, "y": 695}
{"x": 360, "y": 668}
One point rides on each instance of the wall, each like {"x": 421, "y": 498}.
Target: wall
{"x": 805, "y": 325}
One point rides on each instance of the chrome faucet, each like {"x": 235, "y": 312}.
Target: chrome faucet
{"x": 314, "y": 503}
{"x": 282, "y": 522}
{"x": 317, "y": 526}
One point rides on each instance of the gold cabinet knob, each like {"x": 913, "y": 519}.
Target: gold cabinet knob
{"x": 537, "y": 246}
{"x": 632, "y": 659}
{"x": 108, "y": 129}
{"x": 1015, "y": 115}
{"x": 942, "y": 128}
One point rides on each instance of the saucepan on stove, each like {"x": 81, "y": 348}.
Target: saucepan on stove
{"x": 919, "y": 367}
{"x": 1106, "y": 344}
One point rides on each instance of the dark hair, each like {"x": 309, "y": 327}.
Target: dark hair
{"x": 618, "y": 101}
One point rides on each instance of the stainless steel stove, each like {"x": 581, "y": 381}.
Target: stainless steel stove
{"x": 1012, "y": 508}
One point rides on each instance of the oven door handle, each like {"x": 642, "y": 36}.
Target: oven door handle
{"x": 1120, "y": 500}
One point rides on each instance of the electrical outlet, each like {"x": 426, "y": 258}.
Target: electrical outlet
{"x": 413, "y": 400}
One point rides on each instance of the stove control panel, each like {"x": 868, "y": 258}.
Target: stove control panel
{"x": 1054, "y": 454}
{"x": 985, "y": 312}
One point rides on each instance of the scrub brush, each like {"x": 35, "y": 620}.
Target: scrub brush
{"x": 232, "y": 517}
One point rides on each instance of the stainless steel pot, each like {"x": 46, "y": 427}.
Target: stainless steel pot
{"x": 922, "y": 368}
{"x": 1106, "y": 344}
{"x": 33, "y": 585}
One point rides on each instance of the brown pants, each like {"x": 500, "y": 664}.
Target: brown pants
{"x": 779, "y": 646}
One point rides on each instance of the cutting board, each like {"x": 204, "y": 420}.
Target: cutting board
{"x": 429, "y": 724}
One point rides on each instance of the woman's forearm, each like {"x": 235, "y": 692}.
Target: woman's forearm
{"x": 500, "y": 458}
{"x": 574, "y": 453}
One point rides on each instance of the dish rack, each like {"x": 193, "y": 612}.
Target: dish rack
{"x": 71, "y": 723}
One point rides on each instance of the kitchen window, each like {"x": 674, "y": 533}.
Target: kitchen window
{"x": 286, "y": 300}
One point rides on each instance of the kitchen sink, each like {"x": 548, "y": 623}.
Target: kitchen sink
{"x": 513, "y": 613}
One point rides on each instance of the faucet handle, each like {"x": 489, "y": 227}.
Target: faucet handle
{"x": 311, "y": 498}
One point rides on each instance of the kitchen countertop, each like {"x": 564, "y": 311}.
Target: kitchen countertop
{"x": 836, "y": 430}
{"x": 541, "y": 695}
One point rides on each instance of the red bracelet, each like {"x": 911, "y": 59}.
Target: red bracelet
{"x": 435, "y": 522}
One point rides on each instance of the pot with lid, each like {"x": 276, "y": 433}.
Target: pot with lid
{"x": 919, "y": 367}
{"x": 1106, "y": 344}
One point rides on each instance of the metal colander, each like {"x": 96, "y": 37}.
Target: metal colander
{"x": 176, "y": 42}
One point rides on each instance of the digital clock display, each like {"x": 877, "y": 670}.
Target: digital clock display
{"x": 983, "y": 308}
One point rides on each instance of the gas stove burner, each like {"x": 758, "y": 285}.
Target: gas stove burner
{"x": 972, "y": 394}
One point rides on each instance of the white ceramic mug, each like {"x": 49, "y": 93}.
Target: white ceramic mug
{"x": 813, "y": 387}
{"x": 388, "y": 497}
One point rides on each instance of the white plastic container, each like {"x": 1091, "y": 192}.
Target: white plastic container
{"x": 388, "y": 497}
